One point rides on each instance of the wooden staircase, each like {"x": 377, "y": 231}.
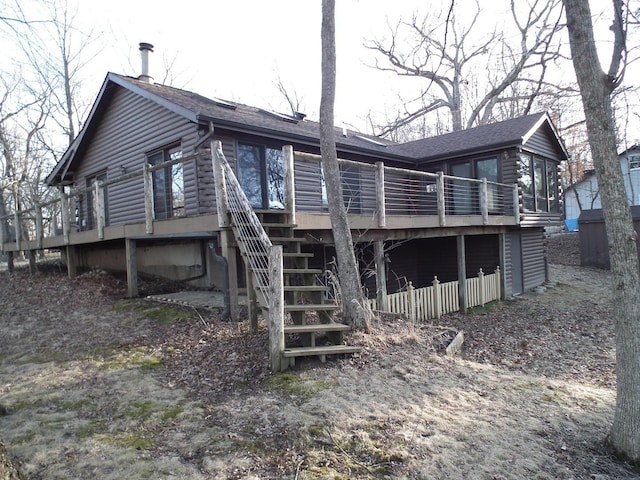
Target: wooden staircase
{"x": 309, "y": 327}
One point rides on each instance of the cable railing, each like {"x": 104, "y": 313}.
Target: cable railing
{"x": 253, "y": 241}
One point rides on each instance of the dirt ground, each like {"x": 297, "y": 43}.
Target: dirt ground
{"x": 95, "y": 386}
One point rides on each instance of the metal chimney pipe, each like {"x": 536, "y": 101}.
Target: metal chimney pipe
{"x": 145, "y": 49}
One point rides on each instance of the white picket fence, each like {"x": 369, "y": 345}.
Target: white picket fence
{"x": 420, "y": 304}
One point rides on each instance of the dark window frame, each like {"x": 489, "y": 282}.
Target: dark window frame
{"x": 168, "y": 200}
{"x": 271, "y": 173}
{"x": 541, "y": 194}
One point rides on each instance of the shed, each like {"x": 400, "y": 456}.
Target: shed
{"x": 594, "y": 246}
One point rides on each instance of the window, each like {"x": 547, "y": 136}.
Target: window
{"x": 538, "y": 180}
{"x": 465, "y": 194}
{"x": 634, "y": 162}
{"x": 261, "y": 175}
{"x": 168, "y": 184}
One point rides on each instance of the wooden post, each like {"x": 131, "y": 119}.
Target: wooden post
{"x": 437, "y": 299}
{"x": 39, "y": 227}
{"x": 217, "y": 157}
{"x": 32, "y": 261}
{"x": 481, "y": 281}
{"x": 462, "y": 274}
{"x": 229, "y": 252}
{"x": 149, "y": 207}
{"x": 99, "y": 207}
{"x": 64, "y": 211}
{"x": 16, "y": 228}
{"x": 411, "y": 302}
{"x": 132, "y": 268}
{"x": 498, "y": 283}
{"x": 380, "y": 201}
{"x": 72, "y": 261}
{"x": 289, "y": 183}
{"x": 276, "y": 310}
{"x": 252, "y": 300}
{"x": 484, "y": 202}
{"x": 381, "y": 275}
{"x": 3, "y": 226}
{"x": 516, "y": 203}
{"x": 441, "y": 203}
{"x": 10, "y": 265}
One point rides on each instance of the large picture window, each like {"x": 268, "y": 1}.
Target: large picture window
{"x": 168, "y": 184}
{"x": 261, "y": 175}
{"x": 538, "y": 180}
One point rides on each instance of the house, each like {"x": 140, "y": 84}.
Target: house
{"x": 585, "y": 194}
{"x": 165, "y": 181}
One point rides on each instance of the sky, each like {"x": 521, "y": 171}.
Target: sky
{"x": 236, "y": 50}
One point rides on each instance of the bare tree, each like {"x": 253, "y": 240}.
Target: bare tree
{"x": 467, "y": 75}
{"x": 352, "y": 295}
{"x": 596, "y": 87}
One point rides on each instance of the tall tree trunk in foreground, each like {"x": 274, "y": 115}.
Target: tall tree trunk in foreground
{"x": 8, "y": 471}
{"x": 352, "y": 298}
{"x": 596, "y": 88}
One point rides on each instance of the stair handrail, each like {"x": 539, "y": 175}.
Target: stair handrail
{"x": 255, "y": 243}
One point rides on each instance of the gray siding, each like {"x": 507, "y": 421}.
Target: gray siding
{"x": 542, "y": 143}
{"x": 507, "y": 267}
{"x": 131, "y": 127}
{"x": 533, "y": 259}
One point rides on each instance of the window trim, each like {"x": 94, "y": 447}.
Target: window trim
{"x": 169, "y": 210}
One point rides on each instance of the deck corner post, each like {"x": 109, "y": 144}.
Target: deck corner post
{"x": 437, "y": 299}
{"x": 217, "y": 157}
{"x": 229, "y": 253}
{"x": 462, "y": 274}
{"x": 289, "y": 182}
{"x": 381, "y": 276}
{"x": 64, "y": 211}
{"x": 380, "y": 201}
{"x": 10, "y": 264}
{"x": 498, "y": 283}
{"x": 72, "y": 261}
{"x": 3, "y": 235}
{"x": 252, "y": 300}
{"x": 484, "y": 203}
{"x": 442, "y": 219}
{"x": 132, "y": 268}
{"x": 276, "y": 310}
{"x": 99, "y": 206}
{"x": 482, "y": 292}
{"x": 149, "y": 207}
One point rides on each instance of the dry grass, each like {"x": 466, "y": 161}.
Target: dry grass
{"x": 98, "y": 388}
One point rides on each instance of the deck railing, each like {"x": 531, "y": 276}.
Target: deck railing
{"x": 420, "y": 304}
{"x": 382, "y": 191}
{"x": 375, "y": 190}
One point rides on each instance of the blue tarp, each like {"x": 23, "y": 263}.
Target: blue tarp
{"x": 571, "y": 224}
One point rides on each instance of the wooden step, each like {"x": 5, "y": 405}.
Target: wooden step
{"x": 297, "y": 255}
{"x": 278, "y": 240}
{"x": 291, "y": 271}
{"x": 311, "y": 307}
{"x": 305, "y": 288}
{"x": 322, "y": 352}
{"x": 317, "y": 328}
{"x": 278, "y": 225}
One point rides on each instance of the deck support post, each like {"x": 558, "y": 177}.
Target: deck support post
{"x": 149, "y": 207}
{"x": 442, "y": 219}
{"x": 516, "y": 203}
{"x": 289, "y": 183}
{"x": 381, "y": 275}
{"x": 10, "y": 265}
{"x": 229, "y": 252}
{"x": 72, "y": 261}
{"x": 380, "y": 203}
{"x": 17, "y": 229}
{"x": 276, "y": 310}
{"x": 252, "y": 300}
{"x": 31, "y": 255}
{"x": 132, "y": 268}
{"x": 462, "y": 273}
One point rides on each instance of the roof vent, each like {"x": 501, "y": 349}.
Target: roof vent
{"x": 299, "y": 115}
{"x": 145, "y": 49}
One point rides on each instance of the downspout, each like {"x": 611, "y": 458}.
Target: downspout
{"x": 226, "y": 312}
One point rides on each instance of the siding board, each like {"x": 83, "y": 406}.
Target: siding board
{"x": 533, "y": 259}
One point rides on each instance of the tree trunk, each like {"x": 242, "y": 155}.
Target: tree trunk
{"x": 8, "y": 471}
{"x": 596, "y": 88}
{"x": 352, "y": 298}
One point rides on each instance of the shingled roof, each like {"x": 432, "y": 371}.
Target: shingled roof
{"x": 509, "y": 133}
